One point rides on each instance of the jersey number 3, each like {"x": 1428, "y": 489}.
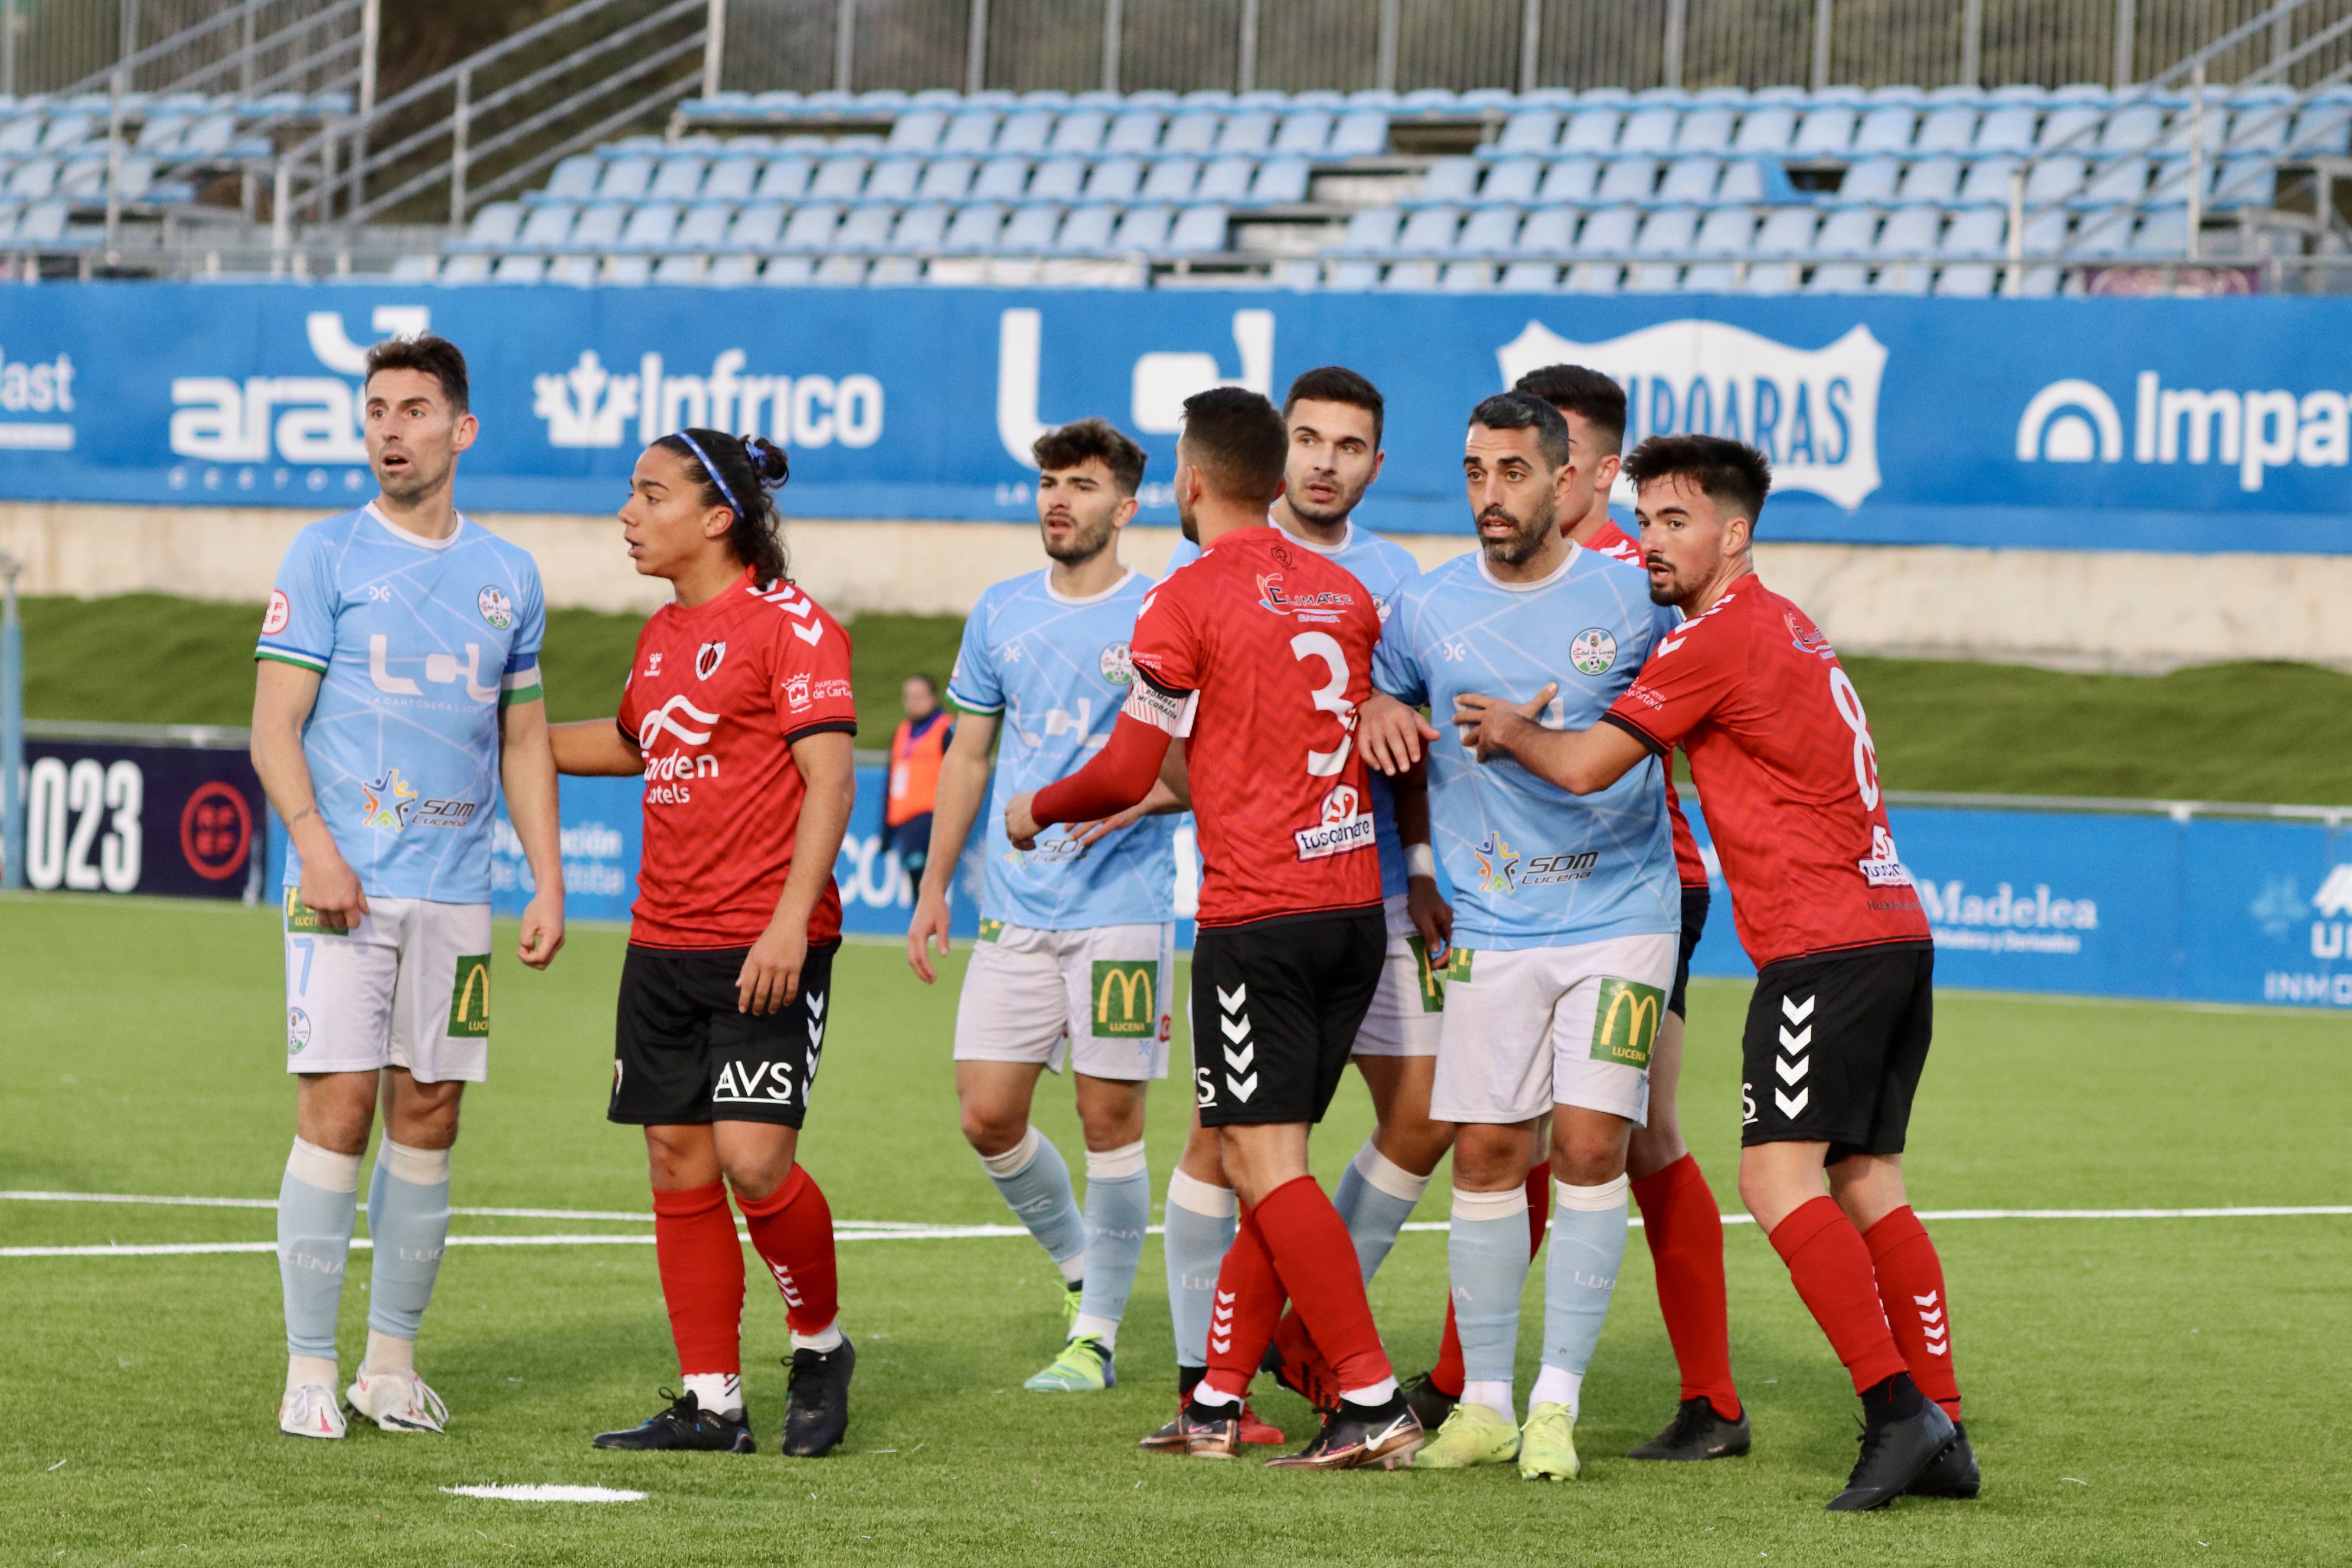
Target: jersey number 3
{"x": 1331, "y": 698}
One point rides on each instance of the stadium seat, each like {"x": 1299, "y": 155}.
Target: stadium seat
{"x": 1533, "y": 130}
{"x": 973, "y": 229}
{"x": 999, "y": 180}
{"x": 1136, "y": 131}
{"x": 1827, "y": 129}
{"x": 1466, "y": 277}
{"x": 1872, "y": 180}
{"x": 1689, "y": 180}
{"x": 1142, "y": 230}
{"x": 1370, "y": 230}
{"x": 810, "y": 228}
{"x": 576, "y": 270}
{"x": 1977, "y": 232}
{"x": 2070, "y": 127}
{"x": 495, "y": 226}
{"x": 1664, "y": 239}
{"x": 681, "y": 270}
{"x": 1029, "y": 228}
{"x": 1889, "y": 128}
{"x": 1513, "y": 180}
{"x": 727, "y": 272}
{"x": 1987, "y": 179}
{"x": 678, "y": 180}
{"x": 1591, "y": 128}
{"x": 1529, "y": 278}
{"x": 1548, "y": 232}
{"x": 1252, "y": 131}
{"x": 1649, "y": 131}
{"x": 1114, "y": 180}
{"x": 2054, "y": 179}
{"x": 1703, "y": 131}
{"x": 1281, "y": 182}
{"x": 2104, "y": 233}
{"x": 839, "y": 178}
{"x": 1490, "y": 231}
{"x": 866, "y": 227}
{"x": 730, "y": 180}
{"x": 1225, "y": 179}
{"x": 2164, "y": 234}
{"x": 1350, "y": 277}
{"x": 945, "y": 180}
{"x": 1569, "y": 180}
{"x": 788, "y": 271}
{"x": 1171, "y": 180}
{"x": 456, "y": 269}
{"x": 1058, "y": 180}
{"x": 756, "y": 228}
{"x": 626, "y": 179}
{"x": 2123, "y": 180}
{"x": 1194, "y": 133}
{"x": 1029, "y": 132}
{"x": 1361, "y": 134}
{"x": 893, "y": 180}
{"x": 973, "y": 130}
{"x": 2322, "y": 131}
{"x": 548, "y": 227}
{"x": 1086, "y": 231}
{"x": 574, "y": 179}
{"x": 1419, "y": 275}
{"x": 1769, "y": 128}
{"x": 1931, "y": 180}
{"x": 1952, "y": 129}
{"x": 701, "y": 228}
{"x": 2246, "y": 183}
{"x": 2133, "y": 128}
{"x": 783, "y": 179}
{"x": 1627, "y": 180}
{"x": 525, "y": 269}
{"x": 416, "y": 269}
{"x": 1305, "y": 134}
{"x": 1849, "y": 232}
{"x": 1429, "y": 231}
{"x": 1911, "y": 232}
{"x": 1449, "y": 180}
{"x": 649, "y": 227}
{"x": 1786, "y": 232}
{"x": 1079, "y": 132}
{"x": 919, "y": 131}
{"x": 1198, "y": 230}
{"x": 599, "y": 227}
{"x": 919, "y": 230}
{"x": 2008, "y": 129}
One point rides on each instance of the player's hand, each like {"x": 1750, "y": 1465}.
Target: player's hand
{"x": 1490, "y": 725}
{"x": 330, "y": 889}
{"x": 542, "y": 931}
{"x": 1084, "y": 834}
{"x": 1391, "y": 733}
{"x": 930, "y": 925}
{"x": 771, "y": 977}
{"x": 1432, "y": 916}
{"x": 1019, "y": 825}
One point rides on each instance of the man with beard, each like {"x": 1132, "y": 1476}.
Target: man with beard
{"x": 1334, "y": 418}
{"x": 1564, "y": 933}
{"x": 1076, "y": 933}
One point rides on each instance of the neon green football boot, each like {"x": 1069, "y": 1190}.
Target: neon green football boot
{"x": 1471, "y": 1435}
{"x": 1547, "y": 1445}
{"x": 1085, "y": 1366}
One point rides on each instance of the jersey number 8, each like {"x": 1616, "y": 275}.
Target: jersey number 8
{"x": 1865, "y": 755}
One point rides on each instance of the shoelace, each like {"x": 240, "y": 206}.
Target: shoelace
{"x": 312, "y": 1405}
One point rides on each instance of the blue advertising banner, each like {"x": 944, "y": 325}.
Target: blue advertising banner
{"x": 114, "y": 816}
{"x": 2166, "y": 425}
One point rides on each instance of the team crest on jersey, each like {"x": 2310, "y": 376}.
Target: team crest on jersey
{"x": 386, "y": 802}
{"x": 705, "y": 659}
{"x": 1594, "y": 651}
{"x": 279, "y": 612}
{"x": 1808, "y": 639}
{"x": 496, "y": 608}
{"x": 298, "y": 1030}
{"x": 1341, "y": 825}
{"x": 1116, "y": 664}
{"x": 1498, "y": 865}
{"x": 796, "y": 692}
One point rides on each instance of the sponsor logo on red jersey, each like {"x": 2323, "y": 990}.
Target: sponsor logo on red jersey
{"x": 1342, "y": 825}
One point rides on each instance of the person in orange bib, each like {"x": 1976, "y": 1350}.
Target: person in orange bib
{"x": 917, "y": 748}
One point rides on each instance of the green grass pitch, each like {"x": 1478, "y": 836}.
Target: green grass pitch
{"x": 2141, "y": 1391}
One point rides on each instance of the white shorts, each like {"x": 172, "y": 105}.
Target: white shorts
{"x": 1029, "y": 994}
{"x": 1406, "y": 1010}
{"x": 409, "y": 987}
{"x": 1540, "y": 1027}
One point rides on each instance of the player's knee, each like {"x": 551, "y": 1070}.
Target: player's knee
{"x": 1653, "y": 1148}
{"x": 1490, "y": 1158}
{"x": 992, "y": 1129}
{"x": 1416, "y": 1148}
{"x": 1587, "y": 1155}
{"x": 1112, "y": 1127}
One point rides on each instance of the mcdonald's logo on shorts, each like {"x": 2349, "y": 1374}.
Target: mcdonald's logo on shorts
{"x": 1126, "y": 1000}
{"x": 1625, "y": 1022}
{"x": 470, "y": 997}
{"x": 1431, "y": 976}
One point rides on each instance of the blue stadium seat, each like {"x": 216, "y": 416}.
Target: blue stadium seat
{"x": 625, "y": 179}
{"x": 1512, "y": 180}
{"x": 2070, "y": 127}
{"x": 1246, "y": 132}
{"x": 2133, "y": 128}
{"x": 1195, "y": 134}
{"x": 1663, "y": 240}
{"x": 973, "y": 130}
{"x": 549, "y": 226}
{"x": 2056, "y": 179}
{"x": 894, "y": 180}
{"x": 1627, "y": 180}
{"x": 1649, "y": 130}
{"x": 1171, "y": 180}
{"x": 1591, "y": 128}
{"x": 2007, "y": 128}
{"x": 21, "y": 135}
{"x": 1911, "y": 231}
{"x": 1370, "y": 229}
{"x": 1086, "y": 231}
{"x": 576, "y": 271}
{"x": 1848, "y": 232}
{"x": 496, "y": 225}
{"x": 701, "y": 228}
{"x": 678, "y": 180}
{"x": 2162, "y": 233}
{"x": 1304, "y": 132}
{"x": 1361, "y": 134}
{"x": 839, "y": 178}
{"x": 1058, "y": 180}
{"x": 1281, "y": 182}
{"x": 1690, "y": 180}
{"x": 783, "y": 179}
{"x": 524, "y": 270}
{"x": 1352, "y": 277}
{"x": 456, "y": 269}
{"x": 1081, "y": 131}
{"x": 730, "y": 272}
{"x": 1529, "y": 131}
{"x": 599, "y": 227}
{"x": 1491, "y": 231}
{"x": 1872, "y": 180}
{"x": 788, "y": 271}
{"x": 1977, "y": 233}
{"x": 1786, "y": 232}
{"x": 677, "y": 269}
{"x": 1416, "y": 274}
{"x": 1029, "y": 228}
{"x": 757, "y": 227}
{"x": 1726, "y": 231}
{"x": 1226, "y": 179}
{"x": 1137, "y": 131}
{"x": 1429, "y": 231}
{"x": 649, "y": 227}
{"x": 1950, "y": 129}
{"x": 2254, "y": 128}
{"x": 1529, "y": 278}
{"x": 1198, "y": 230}
{"x": 1987, "y": 179}
{"x": 2246, "y": 183}
{"x": 1770, "y": 128}
{"x": 1466, "y": 277}
{"x": 1549, "y": 231}
{"x": 1142, "y": 230}
{"x": 1114, "y": 180}
{"x": 1705, "y": 131}
{"x": 2105, "y": 234}
{"x": 944, "y": 180}
{"x": 731, "y": 179}
{"x": 1826, "y": 129}
{"x": 2322, "y": 131}
{"x": 842, "y": 271}
{"x": 1889, "y": 128}
{"x": 919, "y": 131}
{"x": 1449, "y": 180}
{"x": 574, "y": 179}
{"x": 1570, "y": 180}
{"x": 919, "y": 230}
{"x": 1932, "y": 180}
{"x": 1967, "y": 280}
{"x": 810, "y": 228}
{"x": 2123, "y": 180}
{"x": 1031, "y": 132}
{"x": 999, "y": 180}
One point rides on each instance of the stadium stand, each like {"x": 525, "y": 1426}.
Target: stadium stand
{"x": 1726, "y": 190}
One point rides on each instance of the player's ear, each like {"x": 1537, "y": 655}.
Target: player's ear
{"x": 1124, "y": 513}
{"x": 462, "y": 435}
{"x": 1379, "y": 457}
{"x": 1605, "y": 472}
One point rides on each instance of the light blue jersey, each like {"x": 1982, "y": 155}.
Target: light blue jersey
{"x": 419, "y": 644}
{"x": 1056, "y": 670}
{"x": 1383, "y": 567}
{"x": 1532, "y": 865}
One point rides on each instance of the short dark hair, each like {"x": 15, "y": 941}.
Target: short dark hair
{"x": 924, "y": 676}
{"x": 1730, "y": 472}
{"x": 1524, "y": 411}
{"x": 1072, "y": 444}
{"x": 436, "y": 356}
{"x": 1238, "y": 442}
{"x": 1338, "y": 383}
{"x": 1584, "y": 391}
{"x": 740, "y": 475}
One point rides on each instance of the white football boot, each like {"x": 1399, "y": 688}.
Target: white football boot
{"x": 397, "y": 1402}
{"x": 310, "y": 1411}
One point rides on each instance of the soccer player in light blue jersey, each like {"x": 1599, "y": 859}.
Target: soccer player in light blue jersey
{"x": 1566, "y": 925}
{"x": 1335, "y": 419}
{"x": 397, "y": 694}
{"x": 1076, "y": 942}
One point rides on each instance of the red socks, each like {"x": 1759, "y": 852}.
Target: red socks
{"x": 791, "y": 1228}
{"x": 1830, "y": 1269}
{"x": 1242, "y": 1312}
{"x": 1447, "y": 1374}
{"x": 1685, "y": 1230}
{"x": 702, "y": 1268}
{"x": 1316, "y": 1262}
{"x": 1911, "y": 1289}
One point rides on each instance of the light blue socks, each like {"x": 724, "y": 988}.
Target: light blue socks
{"x": 1587, "y": 1249}
{"x": 1196, "y": 1230}
{"x": 1117, "y": 1211}
{"x": 318, "y": 1203}
{"x": 1375, "y": 1198}
{"x": 408, "y": 1223}
{"x": 1035, "y": 1185}
{"x": 1487, "y": 1260}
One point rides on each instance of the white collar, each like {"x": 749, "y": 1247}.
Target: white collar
{"x": 408, "y": 536}
{"x": 1574, "y": 550}
{"x": 1061, "y": 598}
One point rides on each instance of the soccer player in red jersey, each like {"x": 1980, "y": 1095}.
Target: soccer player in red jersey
{"x": 1839, "y": 1024}
{"x": 1680, "y": 1219}
{"x": 1258, "y": 657}
{"x": 738, "y": 714}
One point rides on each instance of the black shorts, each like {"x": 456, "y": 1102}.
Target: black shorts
{"x": 682, "y": 1053}
{"x": 1834, "y": 1048}
{"x": 1695, "y": 902}
{"x": 1276, "y": 1007}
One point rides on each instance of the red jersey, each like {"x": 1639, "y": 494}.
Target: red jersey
{"x": 1782, "y": 753}
{"x": 1612, "y": 541}
{"x": 717, "y": 695}
{"x": 1258, "y": 655}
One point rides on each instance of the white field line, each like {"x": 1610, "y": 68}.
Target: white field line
{"x": 903, "y": 1230}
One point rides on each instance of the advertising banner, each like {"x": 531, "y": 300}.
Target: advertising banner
{"x": 2168, "y": 425}
{"x": 102, "y": 816}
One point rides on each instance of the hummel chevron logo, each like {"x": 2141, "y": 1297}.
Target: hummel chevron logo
{"x": 816, "y": 1004}
{"x": 1220, "y": 1322}
{"x": 1792, "y": 1074}
{"x": 1240, "y": 1060}
{"x": 1796, "y": 1065}
{"x": 1231, "y": 1001}
{"x": 1792, "y": 1108}
{"x": 1795, "y": 1014}
{"x": 1931, "y": 1321}
{"x": 1797, "y": 1043}
{"x": 1242, "y": 1088}
{"x": 1236, "y": 1029}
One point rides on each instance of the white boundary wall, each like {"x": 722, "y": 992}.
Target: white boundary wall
{"x": 2087, "y": 609}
